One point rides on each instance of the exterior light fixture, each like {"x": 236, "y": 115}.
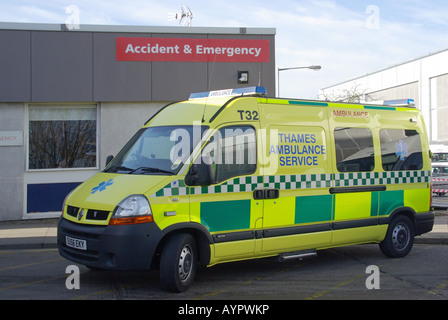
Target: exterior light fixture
{"x": 243, "y": 76}
{"x": 315, "y": 68}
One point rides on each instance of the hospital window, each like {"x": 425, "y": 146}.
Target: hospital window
{"x": 354, "y": 150}
{"x": 401, "y": 150}
{"x": 62, "y": 136}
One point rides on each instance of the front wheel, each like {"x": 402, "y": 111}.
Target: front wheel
{"x": 178, "y": 263}
{"x": 399, "y": 238}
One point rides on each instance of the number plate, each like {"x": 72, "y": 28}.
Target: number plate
{"x": 76, "y": 243}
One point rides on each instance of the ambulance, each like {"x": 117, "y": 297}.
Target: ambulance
{"x": 234, "y": 175}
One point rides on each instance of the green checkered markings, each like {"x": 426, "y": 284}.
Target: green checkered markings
{"x": 297, "y": 182}
{"x": 226, "y": 215}
{"x": 294, "y": 182}
{"x": 380, "y": 178}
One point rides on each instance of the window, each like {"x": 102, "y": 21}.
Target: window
{"x": 354, "y": 150}
{"x": 156, "y": 150}
{"x": 401, "y": 150}
{"x": 62, "y": 137}
{"x": 232, "y": 151}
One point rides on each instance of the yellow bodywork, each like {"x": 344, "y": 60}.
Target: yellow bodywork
{"x": 304, "y": 214}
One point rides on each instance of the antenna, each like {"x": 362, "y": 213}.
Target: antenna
{"x": 184, "y": 17}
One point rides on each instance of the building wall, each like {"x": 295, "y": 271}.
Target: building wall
{"x": 410, "y": 90}
{"x": 12, "y": 160}
{"x": 49, "y": 73}
{"x": 441, "y": 110}
{"x": 46, "y": 64}
{"x": 119, "y": 122}
{"x": 424, "y": 79}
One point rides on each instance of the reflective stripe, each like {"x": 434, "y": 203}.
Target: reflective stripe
{"x": 294, "y": 182}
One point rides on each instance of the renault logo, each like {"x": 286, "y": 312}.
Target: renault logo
{"x": 80, "y": 214}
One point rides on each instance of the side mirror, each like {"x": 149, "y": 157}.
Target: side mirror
{"x": 109, "y": 159}
{"x": 200, "y": 175}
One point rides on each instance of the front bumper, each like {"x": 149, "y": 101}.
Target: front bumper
{"x": 125, "y": 247}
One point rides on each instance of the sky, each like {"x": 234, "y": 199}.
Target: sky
{"x": 347, "y": 38}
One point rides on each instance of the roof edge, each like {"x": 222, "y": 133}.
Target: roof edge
{"x": 135, "y": 29}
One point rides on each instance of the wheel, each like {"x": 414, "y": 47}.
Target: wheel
{"x": 178, "y": 263}
{"x": 399, "y": 238}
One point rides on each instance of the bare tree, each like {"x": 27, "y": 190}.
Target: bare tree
{"x": 355, "y": 94}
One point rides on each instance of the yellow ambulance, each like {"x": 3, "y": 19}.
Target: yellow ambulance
{"x": 233, "y": 175}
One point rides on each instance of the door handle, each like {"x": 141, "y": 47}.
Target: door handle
{"x": 271, "y": 193}
{"x": 266, "y": 194}
{"x": 258, "y": 194}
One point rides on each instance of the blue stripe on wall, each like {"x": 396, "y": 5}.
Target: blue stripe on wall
{"x": 48, "y": 197}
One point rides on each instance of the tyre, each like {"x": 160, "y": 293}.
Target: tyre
{"x": 399, "y": 238}
{"x": 178, "y": 263}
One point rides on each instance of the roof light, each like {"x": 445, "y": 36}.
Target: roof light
{"x": 400, "y": 102}
{"x": 394, "y": 103}
{"x": 230, "y": 92}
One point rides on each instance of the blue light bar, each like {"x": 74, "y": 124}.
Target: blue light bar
{"x": 229, "y": 93}
{"x": 400, "y": 102}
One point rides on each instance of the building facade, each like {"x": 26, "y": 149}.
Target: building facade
{"x": 424, "y": 79}
{"x": 70, "y": 98}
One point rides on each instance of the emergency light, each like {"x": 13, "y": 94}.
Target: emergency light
{"x": 400, "y": 102}
{"x": 230, "y": 92}
{"x": 394, "y": 103}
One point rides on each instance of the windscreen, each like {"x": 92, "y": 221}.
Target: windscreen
{"x": 157, "y": 150}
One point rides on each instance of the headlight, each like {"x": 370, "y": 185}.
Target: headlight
{"x": 133, "y": 209}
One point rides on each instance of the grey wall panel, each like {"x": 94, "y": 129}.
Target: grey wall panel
{"x": 225, "y": 75}
{"x": 61, "y": 65}
{"x": 173, "y": 81}
{"x": 12, "y": 161}
{"x": 15, "y": 61}
{"x": 269, "y": 71}
{"x": 118, "y": 80}
{"x": 176, "y": 80}
{"x": 70, "y": 66}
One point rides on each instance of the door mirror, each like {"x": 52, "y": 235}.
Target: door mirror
{"x": 109, "y": 159}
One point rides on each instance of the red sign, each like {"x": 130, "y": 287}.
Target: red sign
{"x": 192, "y": 50}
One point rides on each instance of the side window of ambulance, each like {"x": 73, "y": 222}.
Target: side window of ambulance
{"x": 232, "y": 151}
{"x": 354, "y": 150}
{"x": 401, "y": 150}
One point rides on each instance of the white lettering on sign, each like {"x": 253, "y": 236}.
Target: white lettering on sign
{"x": 192, "y": 50}
{"x": 11, "y": 138}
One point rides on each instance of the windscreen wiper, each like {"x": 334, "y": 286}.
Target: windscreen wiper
{"x": 118, "y": 168}
{"x": 150, "y": 169}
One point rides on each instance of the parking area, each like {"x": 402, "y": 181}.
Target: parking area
{"x": 344, "y": 273}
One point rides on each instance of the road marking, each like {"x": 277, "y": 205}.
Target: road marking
{"x": 21, "y": 285}
{"x": 31, "y": 264}
{"x": 337, "y": 286}
{"x": 441, "y": 286}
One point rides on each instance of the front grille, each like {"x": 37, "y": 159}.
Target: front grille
{"x": 97, "y": 215}
{"x": 72, "y": 211}
{"x": 87, "y": 255}
{"x": 92, "y": 234}
{"x": 80, "y": 234}
{"x": 92, "y": 214}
